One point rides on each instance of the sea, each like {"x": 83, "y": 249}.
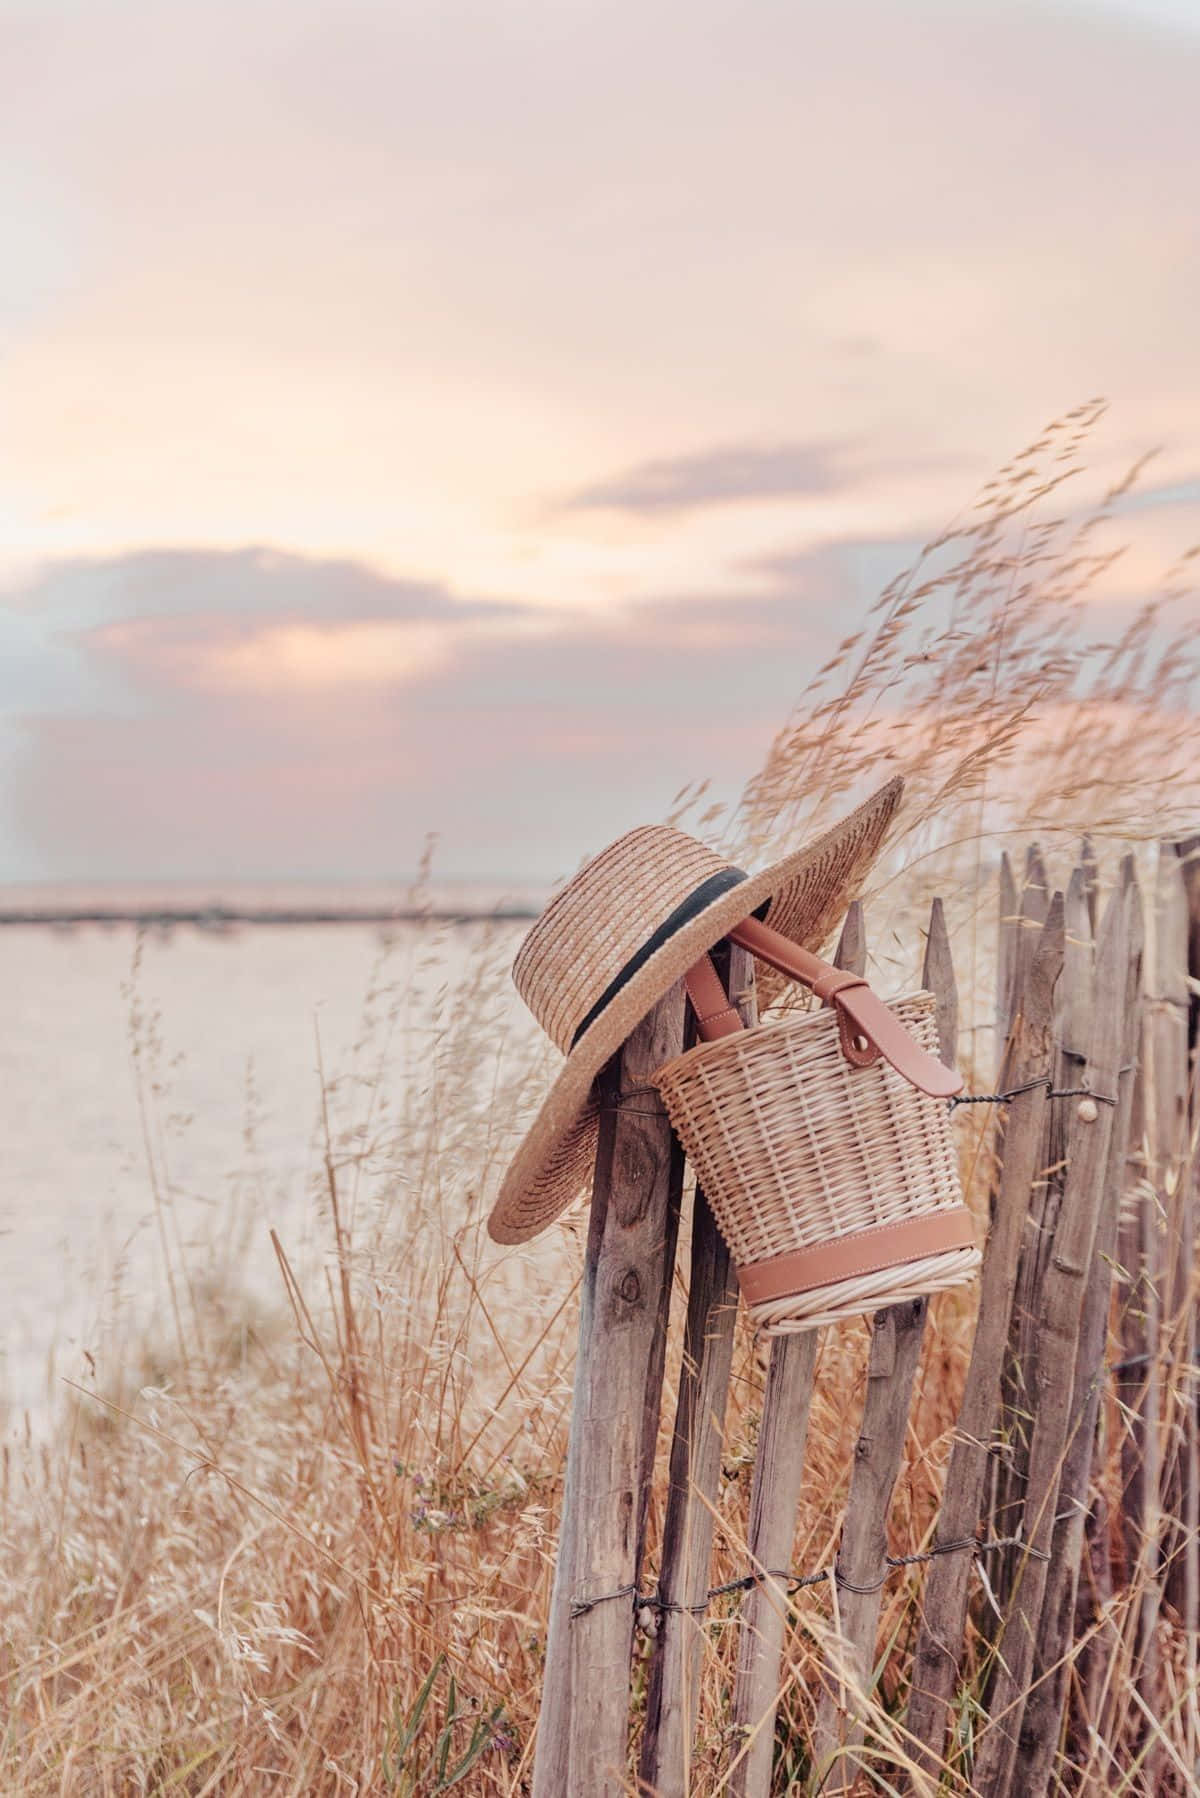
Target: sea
{"x": 162, "y": 1056}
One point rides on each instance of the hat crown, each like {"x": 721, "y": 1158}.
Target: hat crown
{"x": 602, "y": 918}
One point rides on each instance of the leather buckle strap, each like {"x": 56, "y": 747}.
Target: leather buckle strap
{"x": 716, "y": 1015}
{"x": 866, "y": 1027}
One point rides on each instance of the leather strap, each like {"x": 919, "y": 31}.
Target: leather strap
{"x": 715, "y": 1015}
{"x": 863, "y": 1252}
{"x": 866, "y": 1026}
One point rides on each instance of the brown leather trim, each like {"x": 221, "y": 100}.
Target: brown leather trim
{"x": 857, "y": 1046}
{"x": 864, "y": 1252}
{"x": 833, "y": 981}
{"x": 867, "y": 1028}
{"x": 715, "y": 1016}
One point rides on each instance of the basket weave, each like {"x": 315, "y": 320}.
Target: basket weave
{"x": 794, "y": 1147}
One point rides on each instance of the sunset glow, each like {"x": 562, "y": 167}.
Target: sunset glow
{"x": 524, "y": 337}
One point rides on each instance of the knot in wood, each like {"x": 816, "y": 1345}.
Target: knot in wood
{"x": 629, "y": 1286}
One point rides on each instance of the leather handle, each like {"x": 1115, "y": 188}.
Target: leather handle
{"x": 866, "y": 1027}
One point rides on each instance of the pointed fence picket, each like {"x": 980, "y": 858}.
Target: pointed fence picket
{"x": 1010, "y": 1468}
{"x": 1058, "y": 1313}
{"x": 1044, "y": 1707}
{"x": 896, "y": 1335}
{"x": 628, "y": 1271}
{"x": 937, "y": 1659}
{"x": 774, "y": 1498}
{"x": 673, "y": 1696}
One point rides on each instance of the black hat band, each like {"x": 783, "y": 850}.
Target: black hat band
{"x": 687, "y": 909}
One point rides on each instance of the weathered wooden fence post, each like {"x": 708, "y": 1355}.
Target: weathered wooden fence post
{"x": 1009, "y": 1470}
{"x": 939, "y": 1649}
{"x": 1136, "y": 1379}
{"x": 1167, "y": 1045}
{"x": 584, "y": 1724}
{"x": 895, "y": 1353}
{"x": 1168, "y": 1245}
{"x": 1059, "y": 1309}
{"x": 1044, "y": 1708}
{"x": 1188, "y": 854}
{"x": 774, "y": 1498}
{"x": 1008, "y": 928}
{"x": 673, "y": 1697}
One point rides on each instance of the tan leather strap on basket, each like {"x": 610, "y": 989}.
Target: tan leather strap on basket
{"x": 867, "y": 1028}
{"x": 716, "y": 1015}
{"x": 862, "y": 1252}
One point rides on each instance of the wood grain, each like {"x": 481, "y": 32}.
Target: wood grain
{"x": 1059, "y": 1314}
{"x": 673, "y": 1695}
{"x": 774, "y": 1497}
{"x": 896, "y": 1335}
{"x": 1044, "y": 1708}
{"x": 939, "y": 1649}
{"x": 628, "y": 1267}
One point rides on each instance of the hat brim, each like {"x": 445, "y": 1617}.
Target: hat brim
{"x": 804, "y": 895}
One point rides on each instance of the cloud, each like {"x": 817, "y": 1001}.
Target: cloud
{"x": 752, "y": 473}
{"x": 257, "y": 717}
{"x": 250, "y": 582}
{"x": 274, "y": 653}
{"x": 1182, "y": 491}
{"x": 252, "y": 619}
{"x": 718, "y": 477}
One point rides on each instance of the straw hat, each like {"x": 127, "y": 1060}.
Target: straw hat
{"x": 618, "y": 936}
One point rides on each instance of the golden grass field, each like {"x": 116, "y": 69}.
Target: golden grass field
{"x": 306, "y": 1549}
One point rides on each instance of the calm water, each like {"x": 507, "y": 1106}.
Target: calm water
{"x": 227, "y": 1026}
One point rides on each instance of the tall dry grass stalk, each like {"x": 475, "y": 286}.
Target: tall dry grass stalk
{"x": 308, "y": 1550}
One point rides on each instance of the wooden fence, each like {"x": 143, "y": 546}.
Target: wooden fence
{"x": 1052, "y": 1634}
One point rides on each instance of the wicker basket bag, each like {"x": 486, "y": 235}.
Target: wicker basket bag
{"x": 823, "y": 1144}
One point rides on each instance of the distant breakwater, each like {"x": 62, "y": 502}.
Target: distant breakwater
{"x": 222, "y": 917}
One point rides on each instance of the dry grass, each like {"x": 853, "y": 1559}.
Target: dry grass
{"x": 310, "y": 1552}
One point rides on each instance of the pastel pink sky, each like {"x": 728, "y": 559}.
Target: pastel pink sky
{"x": 431, "y": 417}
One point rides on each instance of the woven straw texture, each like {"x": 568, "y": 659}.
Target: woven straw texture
{"x": 794, "y": 1147}
{"x": 587, "y": 934}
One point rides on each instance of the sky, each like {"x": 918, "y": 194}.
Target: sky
{"x": 430, "y": 417}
